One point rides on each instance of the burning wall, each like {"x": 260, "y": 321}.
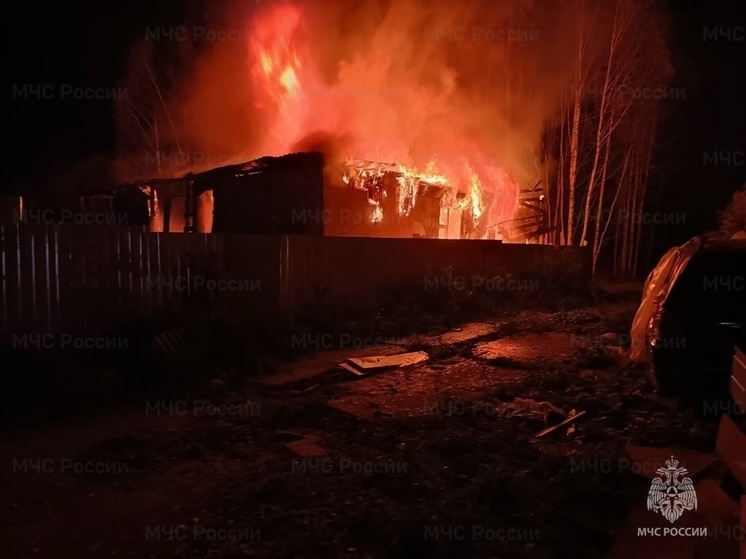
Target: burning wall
{"x": 290, "y": 195}
{"x": 269, "y": 195}
{"x": 384, "y": 200}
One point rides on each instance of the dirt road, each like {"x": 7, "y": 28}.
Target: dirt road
{"x": 429, "y": 461}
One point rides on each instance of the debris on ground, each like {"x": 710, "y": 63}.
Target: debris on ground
{"x": 610, "y": 338}
{"x": 572, "y": 416}
{"x": 529, "y": 407}
{"x": 306, "y": 446}
{"x": 467, "y": 467}
{"x": 318, "y": 363}
{"x": 305, "y": 390}
{"x": 366, "y": 365}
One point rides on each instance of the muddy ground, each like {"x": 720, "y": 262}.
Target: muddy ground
{"x": 430, "y": 461}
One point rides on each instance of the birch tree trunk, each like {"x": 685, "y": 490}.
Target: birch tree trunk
{"x": 600, "y": 207}
{"x": 617, "y": 34}
{"x": 575, "y": 134}
{"x": 561, "y": 181}
{"x": 643, "y": 190}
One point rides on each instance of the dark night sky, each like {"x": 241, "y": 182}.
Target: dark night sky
{"x": 712, "y": 118}
{"x": 85, "y": 46}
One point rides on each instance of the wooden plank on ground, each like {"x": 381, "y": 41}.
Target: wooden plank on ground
{"x": 378, "y": 362}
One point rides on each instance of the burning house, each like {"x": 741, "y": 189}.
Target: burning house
{"x": 160, "y": 205}
{"x": 298, "y": 194}
{"x": 415, "y": 143}
{"x": 304, "y": 194}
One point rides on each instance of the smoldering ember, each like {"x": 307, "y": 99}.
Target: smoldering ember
{"x": 374, "y": 279}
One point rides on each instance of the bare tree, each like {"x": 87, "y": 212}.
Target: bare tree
{"x": 147, "y": 132}
{"x": 607, "y": 129}
{"x": 579, "y": 86}
{"x": 613, "y": 79}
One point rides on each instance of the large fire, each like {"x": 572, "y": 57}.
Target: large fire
{"x": 297, "y": 101}
{"x": 275, "y": 61}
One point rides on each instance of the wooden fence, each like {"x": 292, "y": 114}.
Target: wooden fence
{"x": 75, "y": 278}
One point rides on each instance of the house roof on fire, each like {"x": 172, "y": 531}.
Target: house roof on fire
{"x": 168, "y": 187}
{"x": 252, "y": 167}
{"x": 205, "y": 180}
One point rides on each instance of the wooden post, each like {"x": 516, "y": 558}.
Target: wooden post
{"x": 189, "y": 206}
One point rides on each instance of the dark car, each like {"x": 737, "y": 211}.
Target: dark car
{"x": 691, "y": 336}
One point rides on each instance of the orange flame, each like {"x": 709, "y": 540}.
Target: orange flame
{"x": 298, "y": 102}
{"x": 274, "y": 57}
{"x": 475, "y": 192}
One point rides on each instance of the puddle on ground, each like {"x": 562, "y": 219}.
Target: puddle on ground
{"x": 531, "y": 350}
{"x": 417, "y": 390}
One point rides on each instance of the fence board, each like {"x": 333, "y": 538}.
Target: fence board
{"x": 64, "y": 272}
{"x": 125, "y": 248}
{"x": 110, "y": 276}
{"x": 69, "y": 278}
{"x": 54, "y": 280}
{"x": 170, "y": 270}
{"x": 28, "y": 281}
{"x": 90, "y": 246}
{"x": 142, "y": 255}
{"x": 41, "y": 275}
{"x": 6, "y": 244}
{"x": 137, "y": 272}
{"x": 80, "y": 261}
{"x": 154, "y": 271}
